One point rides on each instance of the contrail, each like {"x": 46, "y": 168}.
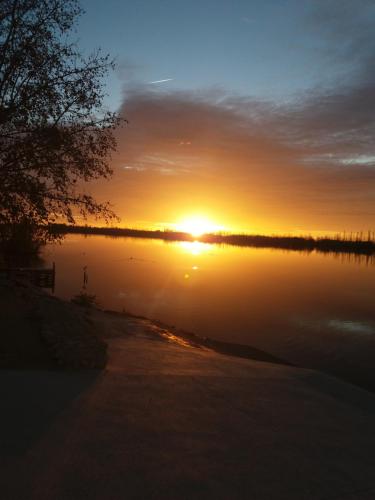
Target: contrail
{"x": 162, "y": 81}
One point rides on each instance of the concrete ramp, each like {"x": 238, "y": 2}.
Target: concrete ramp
{"x": 168, "y": 421}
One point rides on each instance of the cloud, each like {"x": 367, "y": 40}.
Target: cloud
{"x": 344, "y": 29}
{"x": 161, "y": 81}
{"x": 310, "y": 161}
{"x": 313, "y": 158}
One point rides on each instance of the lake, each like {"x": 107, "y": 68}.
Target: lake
{"x": 311, "y": 309}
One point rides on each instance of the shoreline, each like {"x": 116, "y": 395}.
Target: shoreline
{"x": 67, "y": 335}
{"x": 355, "y": 245}
{"x": 180, "y": 336}
{"x": 45, "y": 331}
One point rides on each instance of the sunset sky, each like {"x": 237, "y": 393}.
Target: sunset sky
{"x": 256, "y": 115}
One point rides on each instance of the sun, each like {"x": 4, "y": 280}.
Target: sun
{"x": 196, "y": 226}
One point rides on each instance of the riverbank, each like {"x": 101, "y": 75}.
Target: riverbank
{"x": 171, "y": 419}
{"x": 42, "y": 331}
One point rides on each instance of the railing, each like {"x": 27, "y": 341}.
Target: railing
{"x": 44, "y": 278}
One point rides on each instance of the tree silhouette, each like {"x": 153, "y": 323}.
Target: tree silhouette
{"x": 54, "y": 133}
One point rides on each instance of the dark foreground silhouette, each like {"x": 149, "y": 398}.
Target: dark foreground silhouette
{"x": 356, "y": 244}
{"x": 167, "y": 421}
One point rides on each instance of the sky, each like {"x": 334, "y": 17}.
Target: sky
{"x": 256, "y": 115}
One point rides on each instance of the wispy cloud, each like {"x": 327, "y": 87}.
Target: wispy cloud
{"x": 161, "y": 81}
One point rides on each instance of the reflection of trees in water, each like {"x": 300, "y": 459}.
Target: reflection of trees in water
{"x": 344, "y": 257}
{"x": 368, "y": 260}
{"x": 354, "y": 248}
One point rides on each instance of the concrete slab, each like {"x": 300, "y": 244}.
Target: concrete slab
{"x": 169, "y": 421}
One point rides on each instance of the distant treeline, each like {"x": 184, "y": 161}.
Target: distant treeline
{"x": 351, "y": 243}
{"x": 62, "y": 229}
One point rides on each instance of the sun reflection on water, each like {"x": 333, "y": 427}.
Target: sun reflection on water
{"x": 194, "y": 247}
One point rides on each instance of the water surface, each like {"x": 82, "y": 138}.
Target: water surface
{"x": 311, "y": 309}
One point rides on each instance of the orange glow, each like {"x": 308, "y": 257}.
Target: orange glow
{"x": 234, "y": 173}
{"x": 194, "y": 247}
{"x": 196, "y": 226}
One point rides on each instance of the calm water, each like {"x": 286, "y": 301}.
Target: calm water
{"x": 311, "y": 309}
